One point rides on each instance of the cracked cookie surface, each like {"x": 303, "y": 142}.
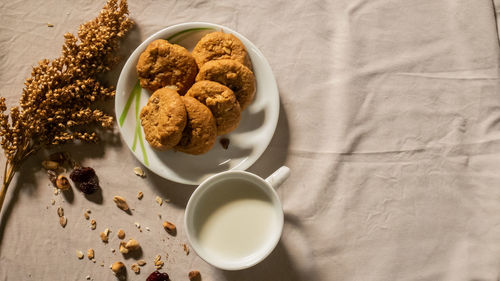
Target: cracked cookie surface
{"x": 163, "y": 64}
{"x": 221, "y": 101}
{"x": 220, "y": 45}
{"x": 163, "y": 119}
{"x": 200, "y": 132}
{"x": 234, "y": 75}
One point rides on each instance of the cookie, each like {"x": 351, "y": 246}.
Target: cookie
{"x": 221, "y": 101}
{"x": 163, "y": 64}
{"x": 200, "y": 132}
{"x": 234, "y": 75}
{"x": 163, "y": 119}
{"x": 220, "y": 45}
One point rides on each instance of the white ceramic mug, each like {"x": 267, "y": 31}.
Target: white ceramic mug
{"x": 234, "y": 219}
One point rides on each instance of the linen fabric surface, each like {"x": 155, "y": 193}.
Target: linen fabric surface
{"x": 389, "y": 121}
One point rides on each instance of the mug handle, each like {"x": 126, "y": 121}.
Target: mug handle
{"x": 278, "y": 177}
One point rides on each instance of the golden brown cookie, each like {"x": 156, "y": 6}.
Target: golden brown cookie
{"x": 163, "y": 119}
{"x": 163, "y": 64}
{"x": 200, "y": 132}
{"x": 232, "y": 74}
{"x": 221, "y": 101}
{"x": 220, "y": 45}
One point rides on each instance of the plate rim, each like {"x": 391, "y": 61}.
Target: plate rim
{"x": 245, "y": 164}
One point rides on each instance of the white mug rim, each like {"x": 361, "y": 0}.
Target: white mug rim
{"x": 276, "y": 235}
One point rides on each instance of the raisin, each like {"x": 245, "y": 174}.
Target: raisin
{"x": 86, "y": 179}
{"x": 82, "y": 174}
{"x": 224, "y": 142}
{"x": 157, "y": 276}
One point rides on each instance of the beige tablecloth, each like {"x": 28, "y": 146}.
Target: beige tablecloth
{"x": 390, "y": 123}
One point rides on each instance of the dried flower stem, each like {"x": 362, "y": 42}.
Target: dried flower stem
{"x": 58, "y": 103}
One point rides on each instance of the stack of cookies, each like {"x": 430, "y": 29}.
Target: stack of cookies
{"x": 197, "y": 96}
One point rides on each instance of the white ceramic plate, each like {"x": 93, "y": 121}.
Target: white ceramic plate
{"x": 247, "y": 142}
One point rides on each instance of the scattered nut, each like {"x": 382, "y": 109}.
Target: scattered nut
{"x": 159, "y": 200}
{"x": 117, "y": 267}
{"x": 169, "y": 227}
{"x": 140, "y": 195}
{"x": 135, "y": 268}
{"x": 88, "y": 211}
{"x": 60, "y": 211}
{"x": 123, "y": 249}
{"x": 141, "y": 262}
{"x": 60, "y": 157}
{"x": 186, "y": 249}
{"x": 194, "y": 275}
{"x": 62, "y": 182}
{"x": 132, "y": 244}
{"x": 86, "y": 215}
{"x": 79, "y": 254}
{"x": 121, "y": 234}
{"x": 51, "y": 25}
{"x": 104, "y": 237}
{"x": 90, "y": 253}
{"x": 63, "y": 221}
{"x": 52, "y": 176}
{"x": 92, "y": 224}
{"x": 139, "y": 172}
{"x": 121, "y": 203}
{"x": 158, "y": 262}
{"x": 50, "y": 165}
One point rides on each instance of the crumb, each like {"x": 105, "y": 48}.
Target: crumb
{"x": 139, "y": 172}
{"x": 50, "y": 25}
{"x": 140, "y": 195}
{"x": 159, "y": 200}
{"x": 224, "y": 142}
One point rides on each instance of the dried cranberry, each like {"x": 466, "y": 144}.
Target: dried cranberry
{"x": 86, "y": 179}
{"x": 88, "y": 187}
{"x": 157, "y": 276}
{"x": 82, "y": 174}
